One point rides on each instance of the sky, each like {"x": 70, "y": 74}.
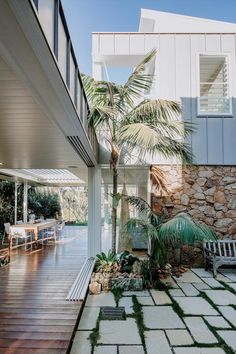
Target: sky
{"x": 86, "y": 16}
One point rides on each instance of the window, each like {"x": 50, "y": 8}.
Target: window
{"x": 46, "y": 17}
{"x": 214, "y": 85}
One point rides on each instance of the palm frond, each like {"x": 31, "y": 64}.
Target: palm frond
{"x": 138, "y": 81}
{"x": 148, "y": 230}
{"x": 158, "y": 180}
{"x": 149, "y": 139}
{"x": 182, "y": 229}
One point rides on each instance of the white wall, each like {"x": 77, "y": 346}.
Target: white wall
{"x": 176, "y": 77}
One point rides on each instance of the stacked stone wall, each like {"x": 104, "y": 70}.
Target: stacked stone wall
{"x": 207, "y": 193}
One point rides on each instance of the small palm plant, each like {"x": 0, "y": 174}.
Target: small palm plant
{"x": 163, "y": 232}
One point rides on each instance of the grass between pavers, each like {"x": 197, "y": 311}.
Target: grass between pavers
{"x": 227, "y": 287}
{"x": 117, "y": 292}
{"x": 138, "y": 315}
{"x": 94, "y": 336}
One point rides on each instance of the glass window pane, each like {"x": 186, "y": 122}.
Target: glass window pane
{"x": 46, "y": 18}
{"x": 79, "y": 98}
{"x": 62, "y": 48}
{"x": 214, "y": 86}
{"x": 72, "y": 77}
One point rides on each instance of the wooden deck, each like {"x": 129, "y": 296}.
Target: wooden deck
{"x": 34, "y": 316}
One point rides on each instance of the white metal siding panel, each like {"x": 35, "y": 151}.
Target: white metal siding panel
{"x": 151, "y": 42}
{"x": 199, "y": 139}
{"x": 106, "y": 44}
{"x": 214, "y": 125}
{"x": 229, "y": 124}
{"x": 166, "y": 67}
{"x": 122, "y": 44}
{"x": 137, "y": 44}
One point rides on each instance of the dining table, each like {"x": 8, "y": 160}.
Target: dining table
{"x": 34, "y": 227}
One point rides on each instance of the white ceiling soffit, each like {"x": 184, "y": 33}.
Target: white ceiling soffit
{"x": 165, "y": 22}
{"x": 45, "y": 176}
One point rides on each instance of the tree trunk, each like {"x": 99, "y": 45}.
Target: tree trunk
{"x": 114, "y": 208}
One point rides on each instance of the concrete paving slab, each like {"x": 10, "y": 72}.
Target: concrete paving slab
{"x": 89, "y": 318}
{"x": 217, "y": 321}
{"x": 156, "y": 342}
{"x": 199, "y": 330}
{"x": 221, "y": 297}
{"x": 229, "y": 314}
{"x": 161, "y": 317}
{"x": 202, "y": 273}
{"x": 160, "y": 297}
{"x": 105, "y": 349}
{"x": 195, "y": 306}
{"x": 131, "y": 349}
{"x": 103, "y": 299}
{"x": 229, "y": 337}
{"x": 81, "y": 343}
{"x": 145, "y": 301}
{"x": 136, "y": 293}
{"x": 213, "y": 283}
{"x": 179, "y": 337}
{"x": 188, "y": 350}
{"x": 233, "y": 286}
{"x": 176, "y": 292}
{"x": 189, "y": 289}
{"x": 188, "y": 277}
{"x": 119, "y": 332}
{"x": 127, "y": 302}
{"x": 201, "y": 286}
{"x": 229, "y": 273}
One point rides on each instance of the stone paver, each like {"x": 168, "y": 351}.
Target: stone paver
{"x": 229, "y": 313}
{"x": 89, "y": 318}
{"x": 81, "y": 343}
{"x": 157, "y": 339}
{"x": 169, "y": 281}
{"x": 213, "y": 283}
{"x": 188, "y": 277}
{"x": 187, "y": 350}
{"x": 136, "y": 293}
{"x": 233, "y": 286}
{"x": 137, "y": 349}
{"x": 221, "y": 297}
{"x": 161, "y": 317}
{"x": 119, "y": 332}
{"x": 103, "y": 299}
{"x": 195, "y": 306}
{"x": 179, "y": 337}
{"x": 145, "y": 301}
{"x": 229, "y": 337}
{"x": 161, "y": 297}
{"x": 189, "y": 289}
{"x": 106, "y": 349}
{"x": 217, "y": 321}
{"x": 202, "y": 273}
{"x": 127, "y": 302}
{"x": 176, "y": 292}
{"x": 230, "y": 274}
{"x": 201, "y": 286}
{"x": 199, "y": 330}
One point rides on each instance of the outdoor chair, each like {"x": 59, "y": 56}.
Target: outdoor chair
{"x": 6, "y": 233}
{"x": 20, "y": 235}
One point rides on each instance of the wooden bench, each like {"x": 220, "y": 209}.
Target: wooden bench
{"x": 218, "y": 253}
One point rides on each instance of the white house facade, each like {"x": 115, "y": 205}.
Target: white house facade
{"x": 195, "y": 64}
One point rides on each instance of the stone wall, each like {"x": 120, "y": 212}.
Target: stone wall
{"x": 207, "y": 193}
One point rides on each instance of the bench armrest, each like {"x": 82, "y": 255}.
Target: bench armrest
{"x": 207, "y": 250}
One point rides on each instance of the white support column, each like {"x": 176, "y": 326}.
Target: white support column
{"x": 94, "y": 211}
{"x": 106, "y": 207}
{"x": 25, "y": 202}
{"x": 97, "y": 71}
{"x": 15, "y": 211}
{"x": 149, "y": 188}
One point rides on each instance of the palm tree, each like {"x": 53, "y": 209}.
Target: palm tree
{"x": 149, "y": 126}
{"x": 163, "y": 232}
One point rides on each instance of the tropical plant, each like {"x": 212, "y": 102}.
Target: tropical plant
{"x": 106, "y": 263}
{"x": 163, "y": 232}
{"x": 127, "y": 123}
{"x": 43, "y": 204}
{"x": 126, "y": 261}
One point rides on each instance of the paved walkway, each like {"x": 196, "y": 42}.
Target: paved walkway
{"x": 196, "y": 316}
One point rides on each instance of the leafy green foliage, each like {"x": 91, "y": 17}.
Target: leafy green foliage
{"x": 43, "y": 204}
{"x": 106, "y": 263}
{"x": 126, "y": 261}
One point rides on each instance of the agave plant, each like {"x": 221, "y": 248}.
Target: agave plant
{"x": 106, "y": 263}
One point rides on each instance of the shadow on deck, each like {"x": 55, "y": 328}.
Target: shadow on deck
{"x": 35, "y": 317}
